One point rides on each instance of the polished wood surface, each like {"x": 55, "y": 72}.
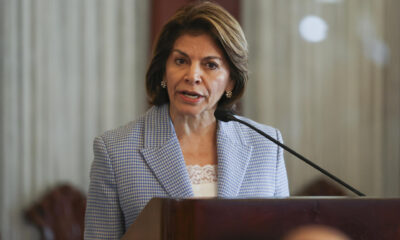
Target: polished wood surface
{"x": 359, "y": 218}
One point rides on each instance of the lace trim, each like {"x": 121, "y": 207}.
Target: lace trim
{"x": 202, "y": 174}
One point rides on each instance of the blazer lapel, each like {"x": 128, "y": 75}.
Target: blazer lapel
{"x": 163, "y": 154}
{"x": 233, "y": 158}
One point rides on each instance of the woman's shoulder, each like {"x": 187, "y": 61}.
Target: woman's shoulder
{"x": 129, "y": 132}
{"x": 272, "y": 131}
{"x": 241, "y": 132}
{"x": 133, "y": 130}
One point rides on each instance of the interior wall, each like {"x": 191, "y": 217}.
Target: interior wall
{"x": 391, "y": 164}
{"x": 70, "y": 70}
{"x": 328, "y": 97}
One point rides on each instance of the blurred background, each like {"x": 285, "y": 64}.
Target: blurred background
{"x": 324, "y": 72}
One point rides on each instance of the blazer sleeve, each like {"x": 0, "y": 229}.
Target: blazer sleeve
{"x": 281, "y": 180}
{"x": 103, "y": 217}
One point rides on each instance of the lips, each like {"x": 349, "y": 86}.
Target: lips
{"x": 190, "y": 96}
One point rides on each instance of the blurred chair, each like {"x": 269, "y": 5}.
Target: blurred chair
{"x": 59, "y": 214}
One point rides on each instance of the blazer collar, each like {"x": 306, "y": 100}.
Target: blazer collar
{"x": 164, "y": 156}
{"x": 233, "y": 157}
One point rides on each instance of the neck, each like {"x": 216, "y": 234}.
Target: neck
{"x": 188, "y": 125}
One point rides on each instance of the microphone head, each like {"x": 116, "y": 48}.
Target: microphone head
{"x": 224, "y": 115}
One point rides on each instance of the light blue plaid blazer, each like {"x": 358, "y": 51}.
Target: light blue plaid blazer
{"x": 143, "y": 159}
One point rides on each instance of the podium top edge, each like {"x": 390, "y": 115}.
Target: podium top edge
{"x": 319, "y": 198}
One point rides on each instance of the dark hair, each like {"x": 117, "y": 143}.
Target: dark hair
{"x": 197, "y": 18}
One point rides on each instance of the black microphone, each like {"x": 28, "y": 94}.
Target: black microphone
{"x": 227, "y": 116}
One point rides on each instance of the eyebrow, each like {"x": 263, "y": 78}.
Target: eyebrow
{"x": 185, "y": 54}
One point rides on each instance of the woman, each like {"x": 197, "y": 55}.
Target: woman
{"x": 178, "y": 149}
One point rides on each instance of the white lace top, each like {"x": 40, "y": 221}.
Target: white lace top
{"x": 204, "y": 180}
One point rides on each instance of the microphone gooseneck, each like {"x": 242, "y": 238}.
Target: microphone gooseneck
{"x": 224, "y": 115}
{"x": 227, "y": 116}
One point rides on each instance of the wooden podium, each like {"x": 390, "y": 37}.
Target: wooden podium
{"x": 252, "y": 219}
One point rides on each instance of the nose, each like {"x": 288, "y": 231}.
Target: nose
{"x": 193, "y": 75}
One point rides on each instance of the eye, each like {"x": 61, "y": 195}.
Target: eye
{"x": 212, "y": 65}
{"x": 180, "y": 61}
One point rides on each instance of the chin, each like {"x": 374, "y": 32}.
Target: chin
{"x": 192, "y": 111}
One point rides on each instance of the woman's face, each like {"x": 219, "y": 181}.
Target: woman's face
{"x": 197, "y": 74}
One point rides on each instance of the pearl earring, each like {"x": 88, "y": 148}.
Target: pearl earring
{"x": 228, "y": 94}
{"x": 163, "y": 84}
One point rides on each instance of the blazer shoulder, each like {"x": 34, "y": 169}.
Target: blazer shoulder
{"x": 252, "y": 136}
{"x": 130, "y": 132}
